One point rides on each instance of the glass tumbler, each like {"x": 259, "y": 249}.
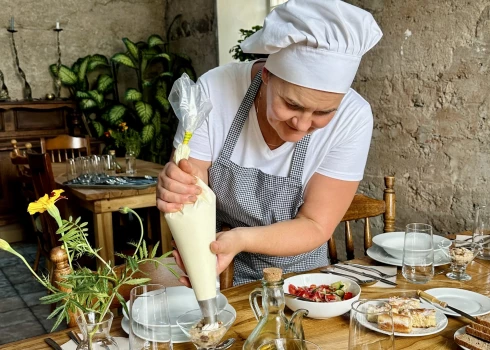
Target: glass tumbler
{"x": 84, "y": 169}
{"x": 418, "y": 253}
{"x": 481, "y": 233}
{"x": 289, "y": 344}
{"x": 108, "y": 165}
{"x": 371, "y": 326}
{"x": 149, "y": 321}
{"x": 71, "y": 169}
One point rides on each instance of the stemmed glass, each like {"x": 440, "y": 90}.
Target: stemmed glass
{"x": 461, "y": 254}
{"x": 191, "y": 323}
{"x": 481, "y": 234}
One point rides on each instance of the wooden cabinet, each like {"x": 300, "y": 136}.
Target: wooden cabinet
{"x": 25, "y": 121}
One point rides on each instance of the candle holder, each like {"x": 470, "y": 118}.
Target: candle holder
{"x": 27, "y": 87}
{"x": 57, "y": 81}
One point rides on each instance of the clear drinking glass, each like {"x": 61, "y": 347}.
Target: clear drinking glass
{"x": 96, "y": 332}
{"x": 481, "y": 234}
{"x": 149, "y": 319}
{"x": 371, "y": 326}
{"x": 418, "y": 253}
{"x": 96, "y": 168}
{"x": 71, "y": 169}
{"x": 131, "y": 158}
{"x": 84, "y": 169}
{"x": 108, "y": 165}
{"x": 289, "y": 344}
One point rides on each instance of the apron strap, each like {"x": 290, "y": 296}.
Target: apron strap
{"x": 240, "y": 117}
{"x": 299, "y": 155}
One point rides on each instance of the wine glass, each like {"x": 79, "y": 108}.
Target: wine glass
{"x": 371, "y": 326}
{"x": 191, "y": 323}
{"x": 461, "y": 254}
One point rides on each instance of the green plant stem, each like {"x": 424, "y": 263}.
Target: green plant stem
{"x": 141, "y": 226}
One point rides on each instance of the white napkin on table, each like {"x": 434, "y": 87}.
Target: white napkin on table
{"x": 391, "y": 270}
{"x": 122, "y": 343}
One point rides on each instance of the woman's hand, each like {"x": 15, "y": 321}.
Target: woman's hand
{"x": 177, "y": 186}
{"x": 227, "y": 245}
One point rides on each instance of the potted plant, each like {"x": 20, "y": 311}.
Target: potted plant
{"x": 83, "y": 293}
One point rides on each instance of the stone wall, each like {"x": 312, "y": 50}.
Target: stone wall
{"x": 89, "y": 26}
{"x": 428, "y": 83}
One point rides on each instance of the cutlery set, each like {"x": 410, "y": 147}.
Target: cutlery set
{"x": 382, "y": 277}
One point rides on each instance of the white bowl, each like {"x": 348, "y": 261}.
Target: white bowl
{"x": 392, "y": 243}
{"x": 321, "y": 309}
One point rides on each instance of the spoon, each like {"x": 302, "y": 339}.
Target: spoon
{"x": 225, "y": 344}
{"x": 358, "y": 280}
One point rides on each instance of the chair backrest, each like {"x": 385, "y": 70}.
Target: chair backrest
{"x": 43, "y": 181}
{"x": 363, "y": 207}
{"x": 62, "y": 147}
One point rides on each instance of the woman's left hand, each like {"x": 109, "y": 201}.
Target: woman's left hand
{"x": 226, "y": 246}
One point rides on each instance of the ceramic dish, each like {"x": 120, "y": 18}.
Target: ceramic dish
{"x": 377, "y": 253}
{"x": 177, "y": 335}
{"x": 472, "y": 303}
{"x": 441, "y": 323}
{"x": 181, "y": 299}
{"x": 392, "y": 243}
{"x": 321, "y": 309}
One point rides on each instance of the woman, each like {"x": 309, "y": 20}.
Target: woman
{"x": 285, "y": 145}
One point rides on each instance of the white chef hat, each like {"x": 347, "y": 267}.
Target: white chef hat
{"x": 315, "y": 43}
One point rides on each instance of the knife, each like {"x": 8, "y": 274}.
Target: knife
{"x": 54, "y": 345}
{"x": 384, "y": 280}
{"x": 433, "y": 299}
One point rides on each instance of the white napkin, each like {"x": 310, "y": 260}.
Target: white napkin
{"x": 122, "y": 343}
{"x": 464, "y": 238}
{"x": 391, "y": 270}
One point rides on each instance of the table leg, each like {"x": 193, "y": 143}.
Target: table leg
{"x": 166, "y": 235}
{"x": 104, "y": 236}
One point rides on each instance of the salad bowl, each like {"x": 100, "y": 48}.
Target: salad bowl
{"x": 335, "y": 303}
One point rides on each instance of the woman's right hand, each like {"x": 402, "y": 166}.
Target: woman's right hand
{"x": 177, "y": 186}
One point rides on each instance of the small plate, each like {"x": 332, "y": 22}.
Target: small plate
{"x": 377, "y": 253}
{"x": 181, "y": 299}
{"x": 472, "y": 303}
{"x": 177, "y": 335}
{"x": 460, "y": 331}
{"x": 441, "y": 323}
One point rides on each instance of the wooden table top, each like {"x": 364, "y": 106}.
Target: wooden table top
{"x": 143, "y": 168}
{"x": 330, "y": 333}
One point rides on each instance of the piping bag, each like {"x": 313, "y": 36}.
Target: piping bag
{"x": 194, "y": 227}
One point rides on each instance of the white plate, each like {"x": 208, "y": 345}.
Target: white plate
{"x": 462, "y": 330}
{"x": 392, "y": 242}
{"x": 377, "y": 253}
{"x": 441, "y": 323}
{"x": 472, "y": 303}
{"x": 182, "y": 299}
{"x": 177, "y": 335}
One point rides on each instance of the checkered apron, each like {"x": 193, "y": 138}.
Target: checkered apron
{"x": 248, "y": 197}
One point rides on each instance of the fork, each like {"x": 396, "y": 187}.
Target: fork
{"x": 363, "y": 267}
{"x": 358, "y": 280}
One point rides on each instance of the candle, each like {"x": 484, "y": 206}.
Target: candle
{"x": 12, "y": 23}
{"x": 57, "y": 25}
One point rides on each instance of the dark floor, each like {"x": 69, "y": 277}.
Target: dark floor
{"x": 21, "y": 313}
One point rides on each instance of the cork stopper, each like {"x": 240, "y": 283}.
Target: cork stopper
{"x": 272, "y": 274}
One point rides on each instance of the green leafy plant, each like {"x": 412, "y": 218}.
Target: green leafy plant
{"x": 84, "y": 290}
{"x": 145, "y": 107}
{"x": 236, "y": 50}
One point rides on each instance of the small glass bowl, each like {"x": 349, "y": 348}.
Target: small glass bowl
{"x": 461, "y": 254}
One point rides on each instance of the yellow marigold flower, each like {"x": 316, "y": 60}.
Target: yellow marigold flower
{"x": 47, "y": 203}
{"x": 122, "y": 124}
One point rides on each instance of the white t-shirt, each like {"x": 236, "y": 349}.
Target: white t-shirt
{"x": 338, "y": 150}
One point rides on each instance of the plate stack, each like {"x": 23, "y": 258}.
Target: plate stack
{"x": 180, "y": 300}
{"x": 388, "y": 248}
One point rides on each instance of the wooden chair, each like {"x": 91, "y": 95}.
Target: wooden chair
{"x": 43, "y": 181}
{"x": 19, "y": 159}
{"x": 63, "y": 147}
{"x": 363, "y": 207}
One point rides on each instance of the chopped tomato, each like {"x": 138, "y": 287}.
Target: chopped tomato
{"x": 348, "y": 295}
{"x": 319, "y": 293}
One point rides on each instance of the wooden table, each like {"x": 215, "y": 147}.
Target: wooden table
{"x": 102, "y": 203}
{"x": 331, "y": 333}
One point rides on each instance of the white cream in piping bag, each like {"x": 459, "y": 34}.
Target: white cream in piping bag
{"x": 193, "y": 229}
